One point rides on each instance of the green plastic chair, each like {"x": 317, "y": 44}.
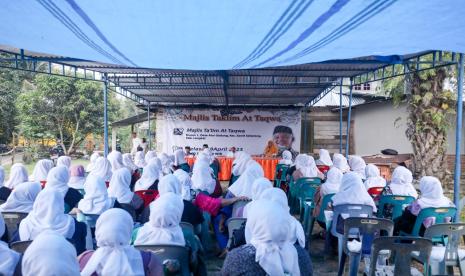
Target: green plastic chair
{"x": 304, "y": 188}
{"x": 397, "y": 202}
{"x": 309, "y": 220}
{"x": 67, "y": 208}
{"x": 185, "y": 167}
{"x": 280, "y": 174}
{"x": 215, "y": 169}
{"x": 305, "y": 196}
{"x": 439, "y": 213}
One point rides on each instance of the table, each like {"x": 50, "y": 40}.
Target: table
{"x": 268, "y": 165}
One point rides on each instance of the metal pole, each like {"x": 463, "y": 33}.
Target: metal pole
{"x": 149, "y": 138}
{"x": 458, "y": 136}
{"x": 305, "y": 128}
{"x": 348, "y": 120}
{"x": 105, "y": 115}
{"x": 340, "y": 116}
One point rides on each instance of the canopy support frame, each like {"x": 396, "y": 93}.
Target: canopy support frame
{"x": 105, "y": 115}
{"x": 349, "y": 113}
{"x": 458, "y": 136}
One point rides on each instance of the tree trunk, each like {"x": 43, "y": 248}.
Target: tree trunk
{"x": 427, "y": 124}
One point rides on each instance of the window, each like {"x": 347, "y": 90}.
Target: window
{"x": 366, "y": 86}
{"x": 357, "y": 87}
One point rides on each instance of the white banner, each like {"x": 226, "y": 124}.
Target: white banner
{"x": 247, "y": 130}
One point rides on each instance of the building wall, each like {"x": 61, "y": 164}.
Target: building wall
{"x": 379, "y": 126}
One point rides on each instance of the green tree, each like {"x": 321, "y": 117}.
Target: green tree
{"x": 10, "y": 87}
{"x": 430, "y": 108}
{"x": 62, "y": 107}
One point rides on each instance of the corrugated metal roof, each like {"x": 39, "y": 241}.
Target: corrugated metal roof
{"x": 332, "y": 99}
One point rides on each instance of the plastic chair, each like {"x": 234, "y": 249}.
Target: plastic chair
{"x": 238, "y": 208}
{"x": 147, "y": 196}
{"x": 367, "y": 229}
{"x": 215, "y": 168}
{"x": 12, "y": 220}
{"x": 42, "y": 183}
{"x": 401, "y": 248}
{"x": 20, "y": 246}
{"x": 305, "y": 196}
{"x": 346, "y": 210}
{"x": 170, "y": 252}
{"x": 130, "y": 209}
{"x": 82, "y": 191}
{"x": 233, "y": 224}
{"x": 444, "y": 258}
{"x": 375, "y": 192}
{"x": 280, "y": 174}
{"x": 321, "y": 216}
{"x": 295, "y": 189}
{"x": 171, "y": 267}
{"x": 186, "y": 225}
{"x": 67, "y": 208}
{"x": 398, "y": 204}
{"x": 323, "y": 168}
{"x": 185, "y": 167}
{"x": 440, "y": 214}
{"x": 89, "y": 219}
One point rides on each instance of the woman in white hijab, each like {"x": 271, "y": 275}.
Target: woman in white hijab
{"x": 340, "y": 162}
{"x": 127, "y": 161}
{"x": 374, "y": 178}
{"x": 401, "y": 182}
{"x": 268, "y": 251}
{"x": 41, "y": 170}
{"x": 186, "y": 183}
{"x": 114, "y": 254}
{"x": 166, "y": 163}
{"x": 58, "y": 179}
{"x": 358, "y": 165}
{"x": 258, "y": 187}
{"x": 139, "y": 159}
{"x": 163, "y": 225}
{"x": 119, "y": 189}
{"x": 9, "y": 258}
{"x": 286, "y": 158}
{"x": 102, "y": 168}
{"x": 47, "y": 214}
{"x": 116, "y": 160}
{"x": 150, "y": 155}
{"x": 93, "y": 158}
{"x": 432, "y": 195}
{"x": 202, "y": 178}
{"x": 96, "y": 200}
{"x": 64, "y": 161}
{"x": 242, "y": 187}
{"x": 332, "y": 183}
{"x": 18, "y": 175}
{"x": 306, "y": 167}
{"x": 352, "y": 191}
{"x": 240, "y": 163}
{"x": 180, "y": 160}
{"x": 50, "y": 254}
{"x": 22, "y": 198}
{"x": 324, "y": 158}
{"x": 149, "y": 178}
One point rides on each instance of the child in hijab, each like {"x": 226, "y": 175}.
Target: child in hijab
{"x": 180, "y": 161}
{"x": 330, "y": 186}
{"x": 41, "y": 170}
{"x": 133, "y": 168}
{"x": 324, "y": 158}
{"x": 401, "y": 183}
{"x": 286, "y": 158}
{"x": 50, "y": 254}
{"x": 373, "y": 177}
{"x": 77, "y": 177}
{"x": 102, "y": 168}
{"x": 96, "y": 200}
{"x": 352, "y": 191}
{"x": 48, "y": 214}
{"x": 116, "y": 160}
{"x": 186, "y": 183}
{"x": 22, "y": 198}
{"x": 64, "y": 161}
{"x": 268, "y": 250}
{"x": 305, "y": 167}
{"x": 139, "y": 159}
{"x": 114, "y": 254}
{"x": 202, "y": 178}
{"x": 357, "y": 165}
{"x": 18, "y": 175}
{"x": 149, "y": 178}
{"x": 92, "y": 159}
{"x": 340, "y": 162}
{"x": 240, "y": 162}
{"x": 150, "y": 155}
{"x": 9, "y": 258}
{"x": 119, "y": 189}
{"x": 166, "y": 163}
{"x": 58, "y": 179}
{"x": 432, "y": 195}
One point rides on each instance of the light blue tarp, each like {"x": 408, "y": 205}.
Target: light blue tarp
{"x": 227, "y": 34}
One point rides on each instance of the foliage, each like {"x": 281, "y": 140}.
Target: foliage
{"x": 430, "y": 108}
{"x": 64, "y": 108}
{"x": 10, "y": 87}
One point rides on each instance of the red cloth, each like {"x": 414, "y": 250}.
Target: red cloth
{"x": 208, "y": 204}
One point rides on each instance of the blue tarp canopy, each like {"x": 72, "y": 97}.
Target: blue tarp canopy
{"x": 230, "y": 34}
{"x": 230, "y": 52}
